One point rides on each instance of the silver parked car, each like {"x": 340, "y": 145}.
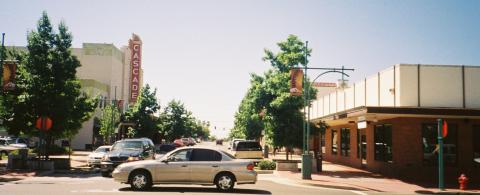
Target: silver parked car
{"x": 192, "y": 165}
{"x": 95, "y": 158}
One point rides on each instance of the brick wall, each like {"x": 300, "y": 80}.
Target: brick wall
{"x": 408, "y": 150}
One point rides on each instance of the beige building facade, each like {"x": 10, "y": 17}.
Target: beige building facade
{"x": 105, "y": 74}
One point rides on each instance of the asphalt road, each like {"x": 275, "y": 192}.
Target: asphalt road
{"x": 95, "y": 184}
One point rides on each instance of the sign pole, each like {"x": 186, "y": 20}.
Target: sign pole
{"x": 306, "y": 158}
{"x": 441, "y": 182}
{"x": 2, "y": 51}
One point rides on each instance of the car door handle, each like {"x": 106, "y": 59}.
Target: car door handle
{"x": 184, "y": 165}
{"x": 215, "y": 166}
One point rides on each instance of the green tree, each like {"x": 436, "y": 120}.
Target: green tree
{"x": 174, "y": 121}
{"x": 142, "y": 113}
{"x": 108, "y": 122}
{"x": 47, "y": 86}
{"x": 268, "y": 104}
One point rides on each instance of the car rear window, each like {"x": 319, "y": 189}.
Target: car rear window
{"x": 205, "y": 155}
{"x": 248, "y": 146}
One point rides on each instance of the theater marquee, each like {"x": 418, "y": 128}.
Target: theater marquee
{"x": 135, "y": 45}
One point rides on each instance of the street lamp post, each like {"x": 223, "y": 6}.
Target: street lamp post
{"x": 2, "y": 51}
{"x": 306, "y": 156}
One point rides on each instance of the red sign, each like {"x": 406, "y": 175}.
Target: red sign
{"x": 444, "y": 129}
{"x": 43, "y": 123}
{"x": 135, "y": 61}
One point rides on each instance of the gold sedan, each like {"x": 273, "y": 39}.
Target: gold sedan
{"x": 192, "y": 165}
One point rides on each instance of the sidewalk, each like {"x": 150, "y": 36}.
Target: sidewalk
{"x": 78, "y": 164}
{"x": 348, "y": 178}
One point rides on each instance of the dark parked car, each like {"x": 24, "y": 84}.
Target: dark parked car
{"x": 163, "y": 149}
{"x": 127, "y": 150}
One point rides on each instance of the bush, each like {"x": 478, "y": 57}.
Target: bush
{"x": 54, "y": 150}
{"x": 266, "y": 165}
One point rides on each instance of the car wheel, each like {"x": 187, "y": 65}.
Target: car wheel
{"x": 140, "y": 181}
{"x": 225, "y": 182}
{"x": 105, "y": 174}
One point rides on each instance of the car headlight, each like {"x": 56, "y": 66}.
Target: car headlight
{"x": 105, "y": 158}
{"x": 133, "y": 158}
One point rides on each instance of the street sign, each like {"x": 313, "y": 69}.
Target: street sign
{"x": 444, "y": 129}
{"x": 43, "y": 123}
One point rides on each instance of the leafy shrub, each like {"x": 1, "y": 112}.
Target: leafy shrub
{"x": 266, "y": 165}
{"x": 54, "y": 150}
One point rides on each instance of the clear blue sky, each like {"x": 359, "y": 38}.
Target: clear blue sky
{"x": 201, "y": 52}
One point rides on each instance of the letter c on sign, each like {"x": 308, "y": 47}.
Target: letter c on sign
{"x": 136, "y": 47}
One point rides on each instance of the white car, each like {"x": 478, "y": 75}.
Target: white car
{"x": 96, "y": 156}
{"x": 7, "y": 145}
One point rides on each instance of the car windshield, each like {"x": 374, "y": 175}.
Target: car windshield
{"x": 102, "y": 149}
{"x": 127, "y": 145}
{"x": 5, "y": 141}
{"x": 248, "y": 146}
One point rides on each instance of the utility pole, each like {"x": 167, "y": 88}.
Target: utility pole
{"x": 306, "y": 156}
{"x": 441, "y": 182}
{"x": 2, "y": 56}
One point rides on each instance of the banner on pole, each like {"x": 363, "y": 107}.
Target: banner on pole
{"x": 9, "y": 73}
{"x": 296, "y": 82}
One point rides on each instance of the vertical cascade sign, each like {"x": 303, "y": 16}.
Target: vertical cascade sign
{"x": 135, "y": 45}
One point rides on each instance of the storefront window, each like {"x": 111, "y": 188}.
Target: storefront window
{"x": 345, "y": 142}
{"x": 358, "y": 143}
{"x": 334, "y": 141}
{"x": 476, "y": 144}
{"x": 383, "y": 142}
{"x": 430, "y": 147}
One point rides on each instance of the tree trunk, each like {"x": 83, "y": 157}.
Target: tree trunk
{"x": 286, "y": 152}
{"x": 48, "y": 143}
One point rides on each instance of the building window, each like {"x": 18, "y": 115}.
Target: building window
{"x": 345, "y": 142}
{"x": 358, "y": 143}
{"x": 334, "y": 141}
{"x": 383, "y": 142}
{"x": 430, "y": 147}
{"x": 476, "y": 144}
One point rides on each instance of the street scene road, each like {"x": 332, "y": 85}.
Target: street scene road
{"x": 292, "y": 97}
{"x": 95, "y": 184}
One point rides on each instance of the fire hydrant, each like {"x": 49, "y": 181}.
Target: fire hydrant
{"x": 463, "y": 181}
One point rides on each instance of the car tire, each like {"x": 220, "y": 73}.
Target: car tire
{"x": 225, "y": 182}
{"x": 140, "y": 181}
{"x": 105, "y": 174}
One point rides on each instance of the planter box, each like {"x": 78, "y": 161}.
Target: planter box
{"x": 61, "y": 163}
{"x": 287, "y": 165}
{"x": 41, "y": 165}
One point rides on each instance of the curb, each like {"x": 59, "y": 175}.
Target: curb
{"x": 77, "y": 171}
{"x": 264, "y": 171}
{"x": 334, "y": 186}
{"x": 458, "y": 192}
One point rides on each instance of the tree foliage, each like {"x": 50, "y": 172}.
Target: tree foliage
{"x": 46, "y": 85}
{"x": 176, "y": 122}
{"x": 268, "y": 104}
{"x": 142, "y": 113}
{"x": 108, "y": 122}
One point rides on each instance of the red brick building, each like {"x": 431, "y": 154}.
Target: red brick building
{"x": 388, "y": 123}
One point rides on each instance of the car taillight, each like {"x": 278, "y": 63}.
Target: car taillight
{"x": 250, "y": 167}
